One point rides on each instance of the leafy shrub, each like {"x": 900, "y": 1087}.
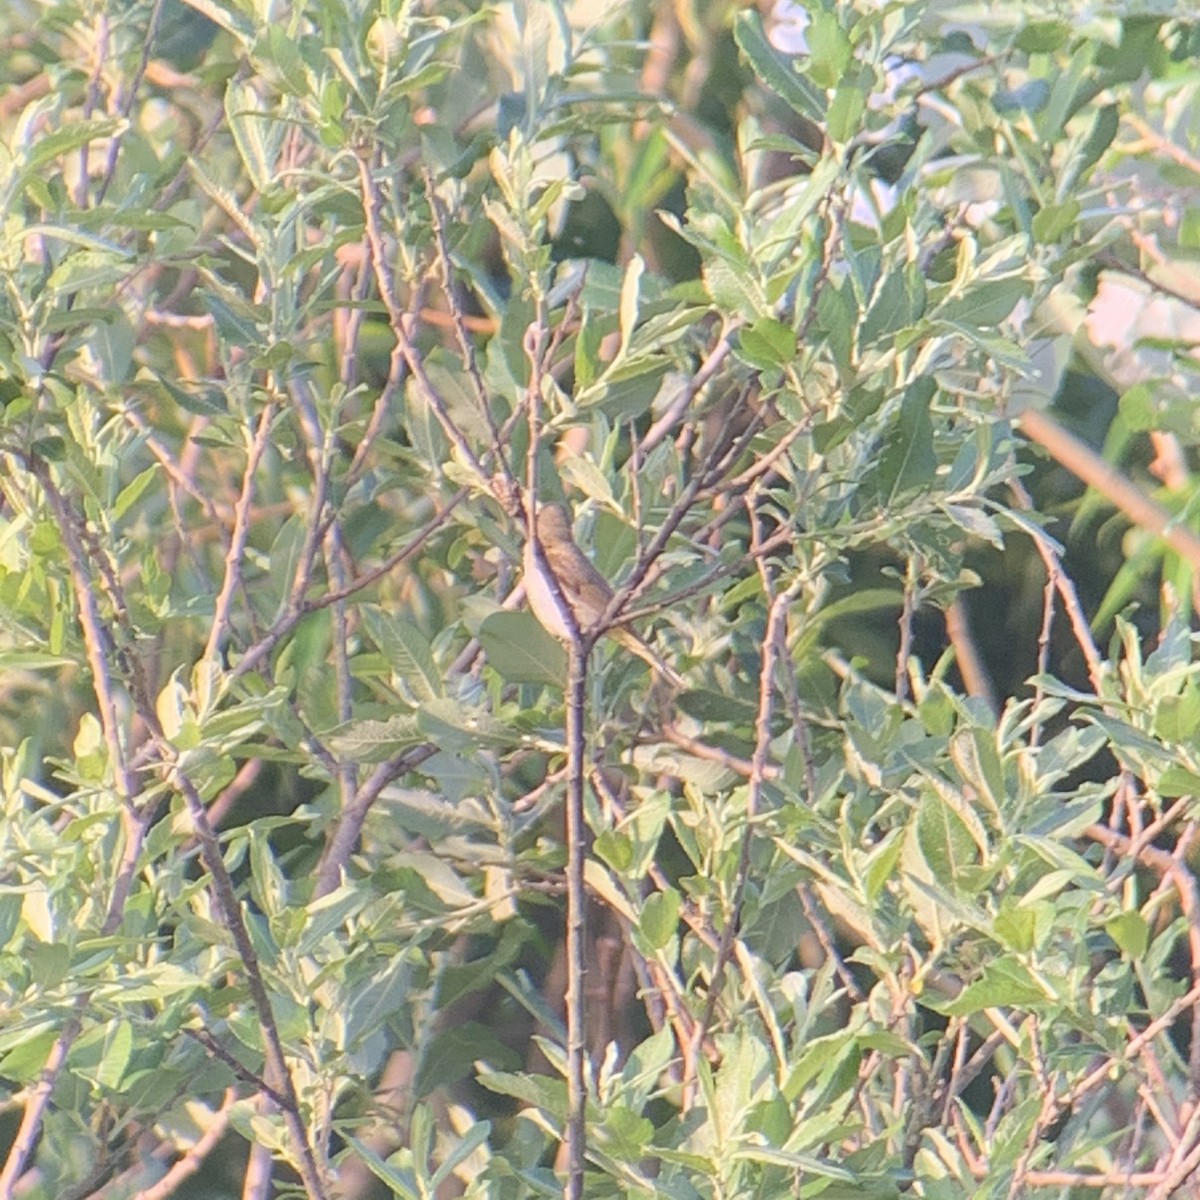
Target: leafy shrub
{"x": 299, "y": 308}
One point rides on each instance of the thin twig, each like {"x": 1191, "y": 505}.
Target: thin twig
{"x": 398, "y": 320}
{"x": 230, "y": 908}
{"x": 1043, "y": 654}
{"x": 223, "y": 605}
{"x": 192, "y": 1159}
{"x": 707, "y": 369}
{"x": 907, "y": 610}
{"x": 353, "y": 816}
{"x": 772, "y": 646}
{"x": 576, "y": 698}
{"x": 466, "y": 347}
{"x": 538, "y": 350}
{"x": 966, "y": 653}
{"x": 100, "y": 651}
{"x": 1079, "y": 458}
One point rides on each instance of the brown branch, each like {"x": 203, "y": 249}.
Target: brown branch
{"x": 707, "y": 369}
{"x": 699, "y": 749}
{"x": 1081, "y": 460}
{"x": 773, "y": 645}
{"x": 349, "y": 825}
{"x": 1089, "y": 1179}
{"x": 100, "y": 650}
{"x": 466, "y": 347}
{"x": 230, "y": 908}
{"x": 239, "y": 1069}
{"x": 38, "y": 1100}
{"x": 576, "y": 699}
{"x": 290, "y": 617}
{"x": 1184, "y": 1160}
{"x": 1065, "y": 588}
{"x": 966, "y": 653}
{"x": 193, "y": 1158}
{"x": 1043, "y": 654}
{"x": 398, "y": 319}
{"x": 907, "y": 611}
{"x": 241, "y": 531}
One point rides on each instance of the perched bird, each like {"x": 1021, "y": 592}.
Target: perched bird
{"x": 585, "y": 589}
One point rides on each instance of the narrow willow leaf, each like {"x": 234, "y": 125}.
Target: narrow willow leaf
{"x": 407, "y": 651}
{"x": 773, "y": 68}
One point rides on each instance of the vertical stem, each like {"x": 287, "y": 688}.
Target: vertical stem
{"x": 906, "y": 631}
{"x": 576, "y": 922}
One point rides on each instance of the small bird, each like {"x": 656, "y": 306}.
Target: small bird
{"x": 585, "y": 589}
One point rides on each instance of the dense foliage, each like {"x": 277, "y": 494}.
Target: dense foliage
{"x": 302, "y": 306}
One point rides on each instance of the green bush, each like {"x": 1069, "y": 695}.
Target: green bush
{"x": 301, "y": 306}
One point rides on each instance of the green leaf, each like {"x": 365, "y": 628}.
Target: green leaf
{"x": 457, "y": 726}
{"x": 256, "y": 133}
{"x": 908, "y": 461}
{"x": 333, "y": 114}
{"x": 403, "y": 1182}
{"x": 1015, "y": 927}
{"x": 66, "y": 138}
{"x": 707, "y": 705}
{"x": 628, "y": 311}
{"x": 588, "y": 342}
{"x": 583, "y": 474}
{"x": 48, "y": 963}
{"x": 1131, "y": 933}
{"x": 1101, "y": 135}
{"x": 236, "y": 325}
{"x": 846, "y": 112}
{"x": 773, "y": 69}
{"x": 899, "y": 302}
{"x": 285, "y": 559}
{"x": 1050, "y": 223}
{"x": 1042, "y": 37}
{"x": 646, "y": 1063}
{"x": 520, "y": 649}
{"x": 1005, "y": 983}
{"x": 370, "y": 1003}
{"x": 767, "y": 343}
{"x": 623, "y": 1133}
{"x": 659, "y": 921}
{"x": 27, "y": 1059}
{"x": 118, "y": 1050}
{"x": 615, "y": 848}
{"x": 475, "y": 1137}
{"x": 407, "y": 651}
{"x": 150, "y": 985}
{"x": 975, "y": 522}
{"x": 947, "y": 843}
{"x": 1177, "y": 718}
{"x": 1177, "y": 781}
{"x": 376, "y": 741}
{"x": 52, "y": 449}
{"x": 627, "y": 392}
{"x": 734, "y": 288}
{"x": 33, "y": 660}
{"x": 88, "y": 269}
{"x": 985, "y": 305}
{"x": 329, "y": 915}
{"x": 202, "y": 400}
{"x": 452, "y": 1053}
{"x": 278, "y": 48}
{"x": 479, "y": 973}
{"x": 550, "y": 1095}
{"x": 838, "y": 317}
{"x": 829, "y": 50}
